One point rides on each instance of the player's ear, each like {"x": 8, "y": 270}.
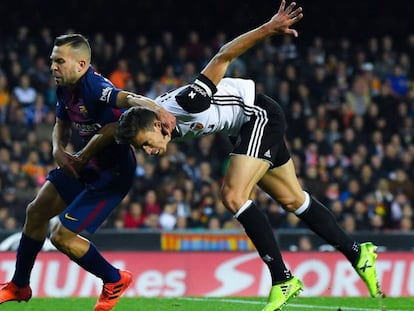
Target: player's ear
{"x": 81, "y": 65}
{"x": 157, "y": 124}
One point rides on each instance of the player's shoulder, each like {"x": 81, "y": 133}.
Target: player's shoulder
{"x": 230, "y": 84}
{"x": 96, "y": 86}
{"x": 92, "y": 77}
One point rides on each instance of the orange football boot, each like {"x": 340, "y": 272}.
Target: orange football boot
{"x": 111, "y": 292}
{"x": 10, "y": 292}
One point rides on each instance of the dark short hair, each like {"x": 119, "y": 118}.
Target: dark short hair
{"x": 75, "y": 40}
{"x": 132, "y": 121}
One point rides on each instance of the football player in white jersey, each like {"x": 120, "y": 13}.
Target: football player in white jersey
{"x": 213, "y": 104}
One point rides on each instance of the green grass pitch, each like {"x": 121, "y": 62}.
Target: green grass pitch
{"x": 217, "y": 304}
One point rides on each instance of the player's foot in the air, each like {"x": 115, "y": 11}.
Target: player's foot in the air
{"x": 282, "y": 292}
{"x": 366, "y": 268}
{"x": 111, "y": 292}
{"x": 10, "y": 292}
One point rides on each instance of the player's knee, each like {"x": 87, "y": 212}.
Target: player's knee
{"x": 232, "y": 199}
{"x": 290, "y": 204}
{"x": 34, "y": 213}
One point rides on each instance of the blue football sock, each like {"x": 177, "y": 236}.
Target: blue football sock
{"x": 25, "y": 259}
{"x": 96, "y": 264}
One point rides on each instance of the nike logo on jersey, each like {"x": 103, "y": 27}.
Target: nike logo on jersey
{"x": 68, "y": 217}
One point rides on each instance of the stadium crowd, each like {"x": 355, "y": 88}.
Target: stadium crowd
{"x": 349, "y": 108}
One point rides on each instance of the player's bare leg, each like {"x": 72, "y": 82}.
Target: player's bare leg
{"x": 85, "y": 254}
{"x": 45, "y": 206}
{"x": 242, "y": 176}
{"x": 282, "y": 184}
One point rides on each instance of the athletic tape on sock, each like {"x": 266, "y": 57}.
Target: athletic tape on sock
{"x": 304, "y": 206}
{"x": 243, "y": 208}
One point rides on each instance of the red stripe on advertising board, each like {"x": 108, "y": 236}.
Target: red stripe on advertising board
{"x": 223, "y": 274}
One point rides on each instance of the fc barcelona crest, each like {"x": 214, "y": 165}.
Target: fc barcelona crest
{"x": 83, "y": 111}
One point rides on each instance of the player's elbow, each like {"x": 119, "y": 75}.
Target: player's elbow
{"x": 222, "y": 57}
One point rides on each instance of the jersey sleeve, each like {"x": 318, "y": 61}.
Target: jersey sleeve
{"x": 196, "y": 97}
{"x": 100, "y": 89}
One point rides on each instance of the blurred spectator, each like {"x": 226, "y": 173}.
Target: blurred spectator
{"x": 276, "y": 214}
{"x": 33, "y": 167}
{"x": 398, "y": 81}
{"x": 168, "y": 217}
{"x": 37, "y": 112}
{"x": 305, "y": 244}
{"x": 158, "y": 62}
{"x": 134, "y": 216}
{"x": 360, "y": 215}
{"x": 318, "y": 84}
{"x": 333, "y": 132}
{"x": 288, "y": 49}
{"x": 349, "y": 223}
{"x": 183, "y": 207}
{"x": 295, "y": 114}
{"x": 146, "y": 181}
{"x": 181, "y": 223}
{"x": 120, "y": 74}
{"x": 293, "y": 222}
{"x": 40, "y": 74}
{"x": 50, "y": 94}
{"x": 283, "y": 95}
{"x": 194, "y": 48}
{"x": 407, "y": 225}
{"x": 213, "y": 224}
{"x": 4, "y": 96}
{"x": 222, "y": 213}
{"x": 237, "y": 68}
{"x": 19, "y": 127}
{"x": 269, "y": 78}
{"x": 384, "y": 198}
{"x": 164, "y": 169}
{"x": 142, "y": 83}
{"x": 377, "y": 223}
{"x": 168, "y": 80}
{"x": 45, "y": 152}
{"x": 150, "y": 204}
{"x": 195, "y": 220}
{"x": 313, "y": 182}
{"x": 24, "y": 92}
{"x": 152, "y": 222}
{"x": 189, "y": 73}
{"x": 401, "y": 184}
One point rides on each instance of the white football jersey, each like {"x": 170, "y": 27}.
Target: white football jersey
{"x": 231, "y": 106}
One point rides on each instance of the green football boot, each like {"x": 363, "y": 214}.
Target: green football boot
{"x": 282, "y": 292}
{"x": 366, "y": 269}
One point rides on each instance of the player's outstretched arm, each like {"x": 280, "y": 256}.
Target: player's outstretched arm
{"x": 279, "y": 24}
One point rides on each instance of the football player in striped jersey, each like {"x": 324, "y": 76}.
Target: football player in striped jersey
{"x": 214, "y": 103}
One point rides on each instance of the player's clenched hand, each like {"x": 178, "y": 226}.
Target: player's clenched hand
{"x": 284, "y": 18}
{"x": 67, "y": 162}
